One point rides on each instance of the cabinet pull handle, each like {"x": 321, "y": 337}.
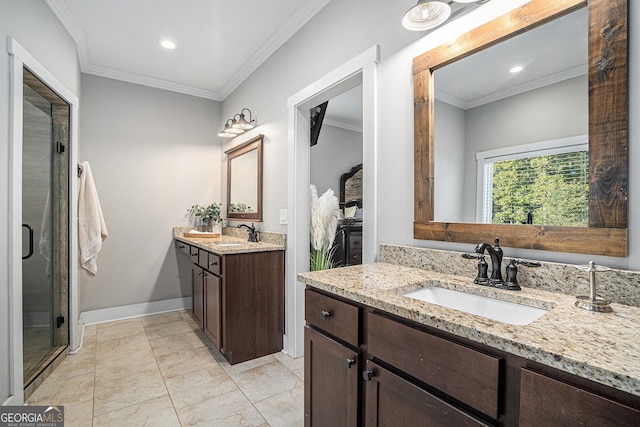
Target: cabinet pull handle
{"x": 202, "y": 274}
{"x": 214, "y": 263}
{"x": 368, "y": 375}
{"x": 194, "y": 254}
{"x": 325, "y": 315}
{"x": 356, "y": 257}
{"x": 350, "y": 362}
{"x": 181, "y": 247}
{"x": 356, "y": 242}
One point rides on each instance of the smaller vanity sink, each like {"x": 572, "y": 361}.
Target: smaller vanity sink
{"x": 490, "y": 308}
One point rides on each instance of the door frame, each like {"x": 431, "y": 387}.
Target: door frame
{"x": 362, "y": 69}
{"x": 20, "y": 58}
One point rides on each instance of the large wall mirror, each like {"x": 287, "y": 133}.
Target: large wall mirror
{"x": 244, "y": 180}
{"x": 560, "y": 122}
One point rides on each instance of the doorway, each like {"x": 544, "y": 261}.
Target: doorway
{"x": 45, "y": 225}
{"x": 361, "y": 70}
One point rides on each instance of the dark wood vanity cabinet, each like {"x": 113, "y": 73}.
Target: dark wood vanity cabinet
{"x": 411, "y": 375}
{"x": 197, "y": 294}
{"x": 548, "y": 401}
{"x": 332, "y": 381}
{"x": 238, "y": 301}
{"x": 348, "y": 245}
{"x": 332, "y": 369}
{"x": 392, "y": 400}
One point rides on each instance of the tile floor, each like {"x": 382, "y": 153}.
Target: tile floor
{"x": 158, "y": 371}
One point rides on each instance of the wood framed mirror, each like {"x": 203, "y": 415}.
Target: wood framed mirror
{"x": 606, "y": 233}
{"x": 244, "y": 180}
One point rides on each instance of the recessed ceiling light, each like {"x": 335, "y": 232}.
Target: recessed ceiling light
{"x": 167, "y": 44}
{"x": 516, "y": 69}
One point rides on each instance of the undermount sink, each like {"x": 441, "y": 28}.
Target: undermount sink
{"x": 490, "y": 308}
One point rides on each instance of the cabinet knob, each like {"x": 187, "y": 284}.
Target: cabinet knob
{"x": 368, "y": 375}
{"x": 350, "y": 362}
{"x": 325, "y": 315}
{"x": 356, "y": 257}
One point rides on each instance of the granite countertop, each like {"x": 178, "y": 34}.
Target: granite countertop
{"x": 226, "y": 244}
{"x": 603, "y": 347}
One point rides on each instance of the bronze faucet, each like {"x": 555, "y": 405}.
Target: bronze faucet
{"x": 495, "y": 252}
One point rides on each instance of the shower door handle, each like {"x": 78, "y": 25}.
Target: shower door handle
{"x": 30, "y": 241}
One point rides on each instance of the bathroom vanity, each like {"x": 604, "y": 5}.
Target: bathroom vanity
{"x": 374, "y": 356}
{"x": 238, "y": 293}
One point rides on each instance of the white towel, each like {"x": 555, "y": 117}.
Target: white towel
{"x": 92, "y": 230}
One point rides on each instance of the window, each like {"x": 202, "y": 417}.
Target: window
{"x": 541, "y": 183}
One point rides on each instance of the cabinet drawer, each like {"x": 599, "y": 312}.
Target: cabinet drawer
{"x": 183, "y": 247}
{"x": 355, "y": 241}
{"x": 546, "y": 401}
{"x": 335, "y": 317}
{"x": 393, "y": 401}
{"x": 465, "y": 374}
{"x": 209, "y": 261}
{"x": 214, "y": 264}
{"x": 193, "y": 253}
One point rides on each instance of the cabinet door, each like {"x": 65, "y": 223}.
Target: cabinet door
{"x": 545, "y": 401}
{"x": 212, "y": 308}
{"x": 331, "y": 382}
{"x": 197, "y": 294}
{"x": 355, "y": 248}
{"x": 393, "y": 401}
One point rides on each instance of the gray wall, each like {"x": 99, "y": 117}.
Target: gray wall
{"x": 313, "y": 52}
{"x": 450, "y": 138}
{"x": 28, "y": 21}
{"x": 337, "y": 151}
{"x": 153, "y": 155}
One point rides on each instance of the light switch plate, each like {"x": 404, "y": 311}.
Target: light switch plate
{"x": 283, "y": 216}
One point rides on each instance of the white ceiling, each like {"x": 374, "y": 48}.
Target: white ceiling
{"x": 550, "y": 53}
{"x": 219, "y": 42}
{"x": 345, "y": 110}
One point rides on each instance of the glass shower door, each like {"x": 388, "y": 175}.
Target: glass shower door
{"x": 45, "y": 224}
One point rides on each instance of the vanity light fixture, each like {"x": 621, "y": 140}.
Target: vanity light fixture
{"x": 238, "y": 124}
{"x": 428, "y": 14}
{"x": 242, "y": 122}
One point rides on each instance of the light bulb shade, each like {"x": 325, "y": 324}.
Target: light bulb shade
{"x": 235, "y": 131}
{"x": 224, "y": 134}
{"x": 425, "y": 15}
{"x": 242, "y": 122}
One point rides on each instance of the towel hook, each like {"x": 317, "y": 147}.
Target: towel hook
{"x": 79, "y": 171}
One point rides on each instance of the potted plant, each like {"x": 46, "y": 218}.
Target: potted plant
{"x": 324, "y": 222}
{"x": 209, "y": 215}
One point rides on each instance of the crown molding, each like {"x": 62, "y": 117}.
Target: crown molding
{"x": 570, "y": 73}
{"x": 153, "y": 82}
{"x": 354, "y": 127}
{"x": 293, "y": 24}
{"x": 68, "y": 21}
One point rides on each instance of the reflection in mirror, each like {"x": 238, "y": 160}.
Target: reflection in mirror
{"x": 512, "y": 142}
{"x": 606, "y": 131}
{"x": 244, "y": 180}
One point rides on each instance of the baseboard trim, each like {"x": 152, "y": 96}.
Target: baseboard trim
{"x": 134, "y": 310}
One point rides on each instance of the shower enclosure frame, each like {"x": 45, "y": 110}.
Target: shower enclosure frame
{"x": 20, "y": 58}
